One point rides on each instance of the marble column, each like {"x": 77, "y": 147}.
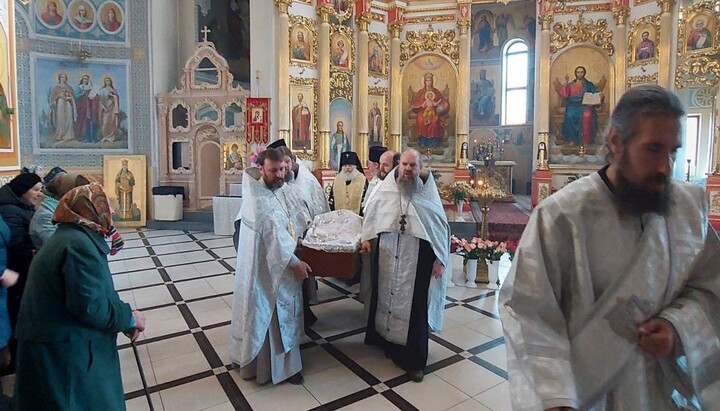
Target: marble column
{"x": 395, "y": 142}
{"x": 283, "y": 49}
{"x": 360, "y": 145}
{"x": 323, "y": 109}
{"x": 462, "y": 116}
{"x": 665, "y": 53}
{"x": 620, "y": 34}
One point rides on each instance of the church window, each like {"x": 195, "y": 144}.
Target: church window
{"x": 515, "y": 82}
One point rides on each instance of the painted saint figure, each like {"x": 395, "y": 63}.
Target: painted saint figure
{"x": 375, "y": 122}
{"x": 339, "y": 143}
{"x": 700, "y": 38}
{"x": 646, "y": 48}
{"x": 5, "y": 112}
{"x": 111, "y": 23}
{"x": 63, "y": 111}
{"x": 301, "y": 124}
{"x": 51, "y": 16}
{"x": 483, "y": 96}
{"x": 234, "y": 159}
{"x": 124, "y": 184}
{"x": 340, "y": 56}
{"x": 431, "y": 110}
{"x": 483, "y": 32}
{"x": 108, "y": 110}
{"x": 82, "y": 21}
{"x": 86, "y": 107}
{"x": 301, "y": 48}
{"x": 374, "y": 62}
{"x": 580, "y": 123}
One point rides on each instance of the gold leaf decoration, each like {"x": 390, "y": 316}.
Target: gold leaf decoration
{"x": 442, "y": 41}
{"x": 583, "y": 31}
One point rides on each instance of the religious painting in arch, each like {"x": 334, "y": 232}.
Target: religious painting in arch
{"x": 341, "y": 52}
{"x": 233, "y": 155}
{"x": 303, "y": 101}
{"x": 79, "y": 106}
{"x": 377, "y": 53}
{"x": 485, "y": 95}
{"x": 698, "y": 34}
{"x": 643, "y": 41}
{"x": 580, "y": 103}
{"x": 493, "y": 25}
{"x": 7, "y": 91}
{"x": 377, "y": 119}
{"x": 124, "y": 179}
{"x": 229, "y": 24}
{"x": 429, "y": 84}
{"x": 81, "y": 14}
{"x": 302, "y": 45}
{"x": 342, "y": 12}
{"x": 340, "y": 130}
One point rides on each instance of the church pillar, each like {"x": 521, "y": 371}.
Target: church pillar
{"x": 395, "y": 88}
{"x": 462, "y": 117}
{"x": 323, "y": 110}
{"x": 665, "y": 74}
{"x": 542, "y": 98}
{"x": 283, "y": 47}
{"x": 621, "y": 14}
{"x": 360, "y": 145}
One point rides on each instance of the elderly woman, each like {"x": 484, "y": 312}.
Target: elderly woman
{"x": 41, "y": 225}
{"x": 71, "y": 314}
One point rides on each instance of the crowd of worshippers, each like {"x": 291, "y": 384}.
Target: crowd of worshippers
{"x": 59, "y": 311}
{"x": 405, "y": 250}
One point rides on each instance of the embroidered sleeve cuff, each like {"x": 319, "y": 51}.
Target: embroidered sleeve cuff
{"x": 560, "y": 402}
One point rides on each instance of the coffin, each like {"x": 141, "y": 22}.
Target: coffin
{"x": 331, "y": 243}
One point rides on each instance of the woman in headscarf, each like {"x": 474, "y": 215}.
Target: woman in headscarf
{"x": 71, "y": 314}
{"x": 41, "y": 225}
{"x": 18, "y": 199}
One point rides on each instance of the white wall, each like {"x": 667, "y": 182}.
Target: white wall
{"x": 263, "y": 56}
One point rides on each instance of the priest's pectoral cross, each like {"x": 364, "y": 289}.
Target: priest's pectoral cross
{"x": 291, "y": 228}
{"x": 403, "y": 222}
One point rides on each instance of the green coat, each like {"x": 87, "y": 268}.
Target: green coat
{"x": 69, "y": 320}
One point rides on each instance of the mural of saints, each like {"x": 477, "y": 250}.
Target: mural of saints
{"x": 375, "y": 125}
{"x": 431, "y": 108}
{"x": 339, "y": 143}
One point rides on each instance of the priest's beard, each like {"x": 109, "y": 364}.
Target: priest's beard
{"x": 348, "y": 176}
{"x": 636, "y": 199}
{"x": 408, "y": 186}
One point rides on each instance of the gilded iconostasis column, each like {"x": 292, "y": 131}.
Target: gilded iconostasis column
{"x": 283, "y": 126}
{"x": 665, "y": 73}
{"x": 621, "y": 14}
{"x": 360, "y": 144}
{"x": 323, "y": 110}
{"x": 543, "y": 70}
{"x": 463, "y": 101}
{"x": 395, "y": 88}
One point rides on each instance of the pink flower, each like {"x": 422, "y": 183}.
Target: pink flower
{"x": 467, "y": 247}
{"x": 473, "y": 246}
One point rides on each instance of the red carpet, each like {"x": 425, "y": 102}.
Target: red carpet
{"x": 505, "y": 220}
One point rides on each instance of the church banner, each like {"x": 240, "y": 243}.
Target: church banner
{"x": 258, "y": 114}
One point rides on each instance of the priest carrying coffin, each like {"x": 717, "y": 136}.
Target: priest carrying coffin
{"x": 266, "y": 320}
{"x": 350, "y": 185}
{"x": 406, "y": 217}
{"x": 612, "y": 302}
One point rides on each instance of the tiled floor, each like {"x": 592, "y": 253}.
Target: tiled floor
{"x": 183, "y": 282}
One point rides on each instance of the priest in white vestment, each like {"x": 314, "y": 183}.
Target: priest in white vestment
{"x": 612, "y": 302}
{"x": 386, "y": 163}
{"x": 412, "y": 253}
{"x": 267, "y": 302}
{"x": 374, "y": 154}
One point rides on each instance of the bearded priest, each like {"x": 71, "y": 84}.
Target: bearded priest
{"x": 406, "y": 217}
{"x": 612, "y": 302}
{"x": 267, "y": 319}
{"x": 350, "y": 185}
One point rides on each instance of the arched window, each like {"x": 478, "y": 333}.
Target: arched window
{"x": 515, "y": 82}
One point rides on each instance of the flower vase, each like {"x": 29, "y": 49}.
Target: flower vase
{"x": 470, "y": 273}
{"x": 459, "y": 215}
{"x": 493, "y": 268}
{"x": 458, "y": 269}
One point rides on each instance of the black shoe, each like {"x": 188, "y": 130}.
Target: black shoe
{"x": 416, "y": 376}
{"x": 296, "y": 379}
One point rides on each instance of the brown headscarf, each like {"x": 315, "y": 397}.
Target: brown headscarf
{"x": 87, "y": 206}
{"x": 62, "y": 183}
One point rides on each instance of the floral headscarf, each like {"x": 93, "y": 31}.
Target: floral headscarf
{"x": 88, "y": 206}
